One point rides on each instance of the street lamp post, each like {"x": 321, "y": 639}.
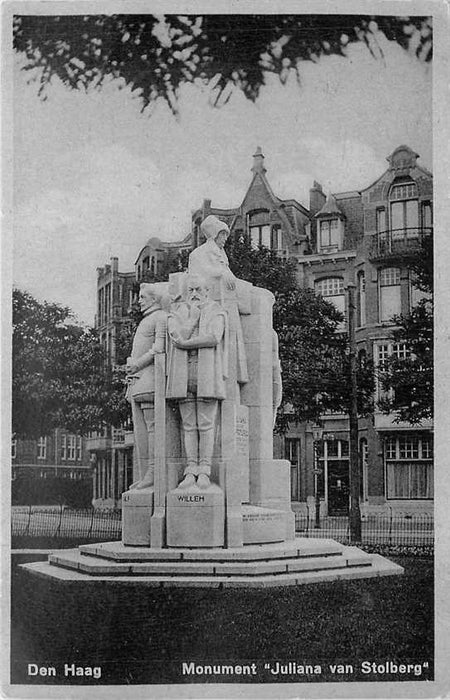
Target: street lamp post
{"x": 317, "y": 435}
{"x": 355, "y": 513}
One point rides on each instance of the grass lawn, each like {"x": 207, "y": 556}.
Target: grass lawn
{"x": 142, "y": 635}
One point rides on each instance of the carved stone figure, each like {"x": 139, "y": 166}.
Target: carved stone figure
{"x": 210, "y": 261}
{"x": 149, "y": 339}
{"x": 197, "y": 369}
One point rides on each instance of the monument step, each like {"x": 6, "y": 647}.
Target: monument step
{"x": 95, "y": 566}
{"x": 301, "y": 547}
{"x": 379, "y": 566}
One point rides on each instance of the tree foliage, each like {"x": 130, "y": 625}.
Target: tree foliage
{"x": 261, "y": 266}
{"x": 409, "y": 383}
{"x": 314, "y": 355}
{"x": 60, "y": 374}
{"x": 156, "y": 56}
{"x": 314, "y": 359}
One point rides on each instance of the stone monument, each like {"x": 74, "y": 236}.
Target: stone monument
{"x": 222, "y": 387}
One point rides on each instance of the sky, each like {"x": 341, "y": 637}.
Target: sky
{"x": 95, "y": 178}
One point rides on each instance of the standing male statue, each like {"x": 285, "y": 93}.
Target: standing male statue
{"x": 197, "y": 369}
{"x": 149, "y": 339}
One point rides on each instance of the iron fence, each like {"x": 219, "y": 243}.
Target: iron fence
{"x": 389, "y": 528}
{"x": 62, "y": 524}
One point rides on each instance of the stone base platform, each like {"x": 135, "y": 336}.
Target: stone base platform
{"x": 292, "y": 563}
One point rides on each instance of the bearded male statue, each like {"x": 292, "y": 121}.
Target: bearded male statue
{"x": 197, "y": 369}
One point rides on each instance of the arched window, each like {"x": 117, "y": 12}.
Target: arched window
{"x": 361, "y": 299}
{"x": 404, "y": 210}
{"x": 389, "y": 291}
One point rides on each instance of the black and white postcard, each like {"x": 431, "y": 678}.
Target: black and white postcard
{"x": 224, "y": 337}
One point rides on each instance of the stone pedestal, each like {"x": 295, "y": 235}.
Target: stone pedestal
{"x": 137, "y": 510}
{"x": 196, "y": 517}
{"x": 263, "y": 525}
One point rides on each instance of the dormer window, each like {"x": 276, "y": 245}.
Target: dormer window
{"x": 330, "y": 238}
{"x": 260, "y": 236}
{"x": 259, "y": 228}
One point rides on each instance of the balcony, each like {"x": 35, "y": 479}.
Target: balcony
{"x": 118, "y": 437}
{"x": 397, "y": 243}
{"x": 383, "y": 421}
{"x": 98, "y": 443}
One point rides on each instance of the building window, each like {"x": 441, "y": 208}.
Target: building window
{"x": 107, "y": 302}
{"x": 404, "y": 211}
{"x": 100, "y": 305}
{"x": 381, "y": 220}
{"x": 71, "y": 447}
{"x": 361, "y": 299}
{"x": 14, "y": 448}
{"x": 277, "y": 238}
{"x": 332, "y": 289}
{"x": 385, "y": 350}
{"x": 405, "y": 191}
{"x": 426, "y": 215}
{"x": 400, "y": 351}
{"x": 409, "y": 467}
{"x": 260, "y": 236}
{"x": 330, "y": 236}
{"x": 64, "y": 446}
{"x": 42, "y": 448}
{"x": 292, "y": 454}
{"x": 79, "y": 445}
{"x": 389, "y": 291}
{"x": 382, "y": 353}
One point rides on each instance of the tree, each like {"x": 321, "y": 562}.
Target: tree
{"x": 314, "y": 356}
{"x": 315, "y": 360}
{"x": 156, "y": 56}
{"x": 409, "y": 382}
{"x": 260, "y": 266}
{"x": 60, "y": 374}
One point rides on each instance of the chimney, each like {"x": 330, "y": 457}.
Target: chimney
{"x": 258, "y": 162}
{"x": 206, "y": 207}
{"x": 316, "y": 198}
{"x": 114, "y": 264}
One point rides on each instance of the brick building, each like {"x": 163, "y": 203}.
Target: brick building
{"x": 52, "y": 470}
{"x": 366, "y": 238}
{"x": 361, "y": 237}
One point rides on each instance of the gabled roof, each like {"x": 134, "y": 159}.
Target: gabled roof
{"x": 295, "y": 204}
{"x": 330, "y": 207}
